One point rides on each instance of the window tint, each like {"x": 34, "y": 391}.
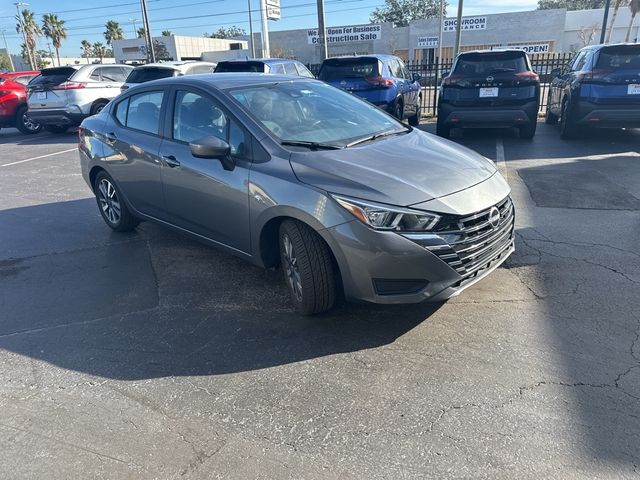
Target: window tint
{"x": 396, "y": 70}
{"x": 146, "y": 74}
{"x": 303, "y": 71}
{"x": 121, "y": 111}
{"x": 579, "y": 62}
{"x": 338, "y": 68}
{"x": 404, "y": 69}
{"x": 144, "y": 111}
{"x": 95, "y": 75}
{"x": 290, "y": 69}
{"x": 620, "y": 57}
{"x": 225, "y": 67}
{"x": 112, "y": 74}
{"x": 491, "y": 63}
{"x": 50, "y": 77}
{"x": 196, "y": 116}
{"x": 277, "y": 68}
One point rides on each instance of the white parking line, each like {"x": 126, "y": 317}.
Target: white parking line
{"x": 502, "y": 165}
{"x": 39, "y": 157}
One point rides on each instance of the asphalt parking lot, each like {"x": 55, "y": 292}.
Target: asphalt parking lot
{"x": 149, "y": 356}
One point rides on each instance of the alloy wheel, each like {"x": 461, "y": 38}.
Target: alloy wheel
{"x": 109, "y": 202}
{"x": 291, "y": 268}
{"x": 29, "y": 123}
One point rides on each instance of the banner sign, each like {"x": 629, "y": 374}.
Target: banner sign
{"x": 353, "y": 33}
{"x": 532, "y": 48}
{"x": 427, "y": 42}
{"x": 468, "y": 23}
{"x": 273, "y": 10}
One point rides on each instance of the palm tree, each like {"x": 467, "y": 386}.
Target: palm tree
{"x": 634, "y": 6}
{"x": 98, "y": 50}
{"x": 141, "y": 32}
{"x": 53, "y": 27}
{"x": 113, "y": 32}
{"x": 87, "y": 49}
{"x": 166, "y": 33}
{"x": 27, "y": 24}
{"x": 616, "y": 7}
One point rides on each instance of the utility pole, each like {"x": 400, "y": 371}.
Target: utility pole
{"x": 322, "y": 32}
{"x": 151, "y": 54}
{"x": 458, "y": 29}
{"x": 135, "y": 30}
{"x": 605, "y": 19}
{"x": 253, "y": 47}
{"x": 440, "y": 32}
{"x": 30, "y": 54}
{"x": 6, "y": 48}
{"x": 265, "y": 29}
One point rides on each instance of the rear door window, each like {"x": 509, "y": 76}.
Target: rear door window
{"x": 143, "y": 112}
{"x": 200, "y": 69}
{"x": 277, "y": 68}
{"x": 303, "y": 71}
{"x": 290, "y": 69}
{"x": 146, "y": 74}
{"x": 113, "y": 74}
{"x": 337, "y": 69}
{"x": 483, "y": 64}
{"x": 620, "y": 57}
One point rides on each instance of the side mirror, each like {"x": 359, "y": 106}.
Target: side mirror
{"x": 213, "y": 147}
{"x": 416, "y": 77}
{"x": 556, "y": 72}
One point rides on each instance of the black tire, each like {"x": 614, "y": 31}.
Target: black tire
{"x": 308, "y": 268}
{"x": 442, "y": 130}
{"x": 24, "y": 123}
{"x": 549, "y": 117}
{"x": 111, "y": 204}
{"x": 97, "y": 107}
{"x": 414, "y": 120}
{"x": 397, "y": 110}
{"x": 528, "y": 131}
{"x": 57, "y": 129}
{"x": 568, "y": 128}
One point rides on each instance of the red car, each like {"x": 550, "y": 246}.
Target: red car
{"x": 13, "y": 101}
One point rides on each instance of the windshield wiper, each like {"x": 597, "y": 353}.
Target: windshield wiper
{"x": 376, "y": 136}
{"x": 311, "y": 145}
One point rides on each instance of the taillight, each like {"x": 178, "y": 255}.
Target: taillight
{"x": 452, "y": 79}
{"x": 69, "y": 86}
{"x": 80, "y": 133}
{"x": 533, "y": 76}
{"x": 380, "y": 82}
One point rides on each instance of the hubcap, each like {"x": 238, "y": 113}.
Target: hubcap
{"x": 28, "y": 123}
{"x": 291, "y": 268}
{"x": 109, "y": 202}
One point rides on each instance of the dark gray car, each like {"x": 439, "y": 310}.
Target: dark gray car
{"x": 293, "y": 172}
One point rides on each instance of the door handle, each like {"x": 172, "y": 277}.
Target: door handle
{"x": 110, "y": 138}
{"x": 171, "y": 161}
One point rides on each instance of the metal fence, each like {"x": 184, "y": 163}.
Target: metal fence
{"x": 431, "y": 74}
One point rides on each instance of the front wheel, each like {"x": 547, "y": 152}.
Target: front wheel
{"x": 414, "y": 120}
{"x": 397, "y": 110}
{"x": 308, "y": 268}
{"x": 25, "y": 124}
{"x": 112, "y": 207}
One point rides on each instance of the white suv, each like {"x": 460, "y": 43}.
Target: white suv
{"x": 62, "y": 97}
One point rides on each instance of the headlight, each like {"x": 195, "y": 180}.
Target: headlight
{"x": 387, "y": 217}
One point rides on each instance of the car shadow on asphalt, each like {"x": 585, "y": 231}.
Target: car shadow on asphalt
{"x": 154, "y": 304}
{"x": 10, "y": 138}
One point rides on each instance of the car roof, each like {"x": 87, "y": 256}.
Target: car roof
{"x": 607, "y": 45}
{"x": 377, "y": 56}
{"x": 495, "y": 50}
{"x": 178, "y": 65}
{"x": 223, "y": 81}
{"x": 267, "y": 61}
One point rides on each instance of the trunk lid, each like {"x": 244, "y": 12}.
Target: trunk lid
{"x": 43, "y": 91}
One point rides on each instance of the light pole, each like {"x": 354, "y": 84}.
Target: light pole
{"x": 151, "y": 54}
{"x": 604, "y": 20}
{"x": 265, "y": 29}
{"x": 322, "y": 32}
{"x": 6, "y": 49}
{"x": 440, "y": 33}
{"x": 458, "y": 29}
{"x": 253, "y": 47}
{"x": 135, "y": 30}
{"x": 32, "y": 61}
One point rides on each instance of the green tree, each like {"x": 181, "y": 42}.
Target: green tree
{"x": 99, "y": 50}
{"x": 87, "y": 49}
{"x": 141, "y": 32}
{"x": 113, "y": 31}
{"x": 401, "y": 12}
{"x": 227, "y": 32}
{"x": 27, "y": 24}
{"x": 166, "y": 33}
{"x": 53, "y": 28}
{"x": 5, "y": 64}
{"x": 570, "y": 4}
{"x": 160, "y": 49}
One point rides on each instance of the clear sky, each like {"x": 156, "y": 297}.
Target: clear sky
{"x": 85, "y": 20}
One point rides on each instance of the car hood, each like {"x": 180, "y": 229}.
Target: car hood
{"x": 402, "y": 170}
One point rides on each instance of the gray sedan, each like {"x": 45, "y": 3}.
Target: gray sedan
{"x": 291, "y": 172}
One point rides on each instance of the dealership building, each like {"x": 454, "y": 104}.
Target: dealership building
{"x": 537, "y": 32}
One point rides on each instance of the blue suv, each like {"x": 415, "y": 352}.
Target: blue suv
{"x": 600, "y": 87}
{"x": 383, "y": 80}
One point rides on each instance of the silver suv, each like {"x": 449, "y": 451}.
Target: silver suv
{"x": 62, "y": 97}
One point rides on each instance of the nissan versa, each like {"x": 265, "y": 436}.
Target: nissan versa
{"x": 294, "y": 172}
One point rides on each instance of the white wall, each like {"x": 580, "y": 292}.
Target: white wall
{"x": 589, "y": 20}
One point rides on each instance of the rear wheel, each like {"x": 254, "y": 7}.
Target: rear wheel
{"x": 397, "y": 110}
{"x": 112, "y": 207}
{"x": 528, "y": 131}
{"x": 308, "y": 268}
{"x": 97, "y": 107}
{"x": 414, "y": 120}
{"x": 25, "y": 124}
{"x": 56, "y": 128}
{"x": 568, "y": 128}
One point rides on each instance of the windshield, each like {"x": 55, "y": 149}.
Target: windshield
{"x": 226, "y": 67}
{"x": 146, "y": 74}
{"x": 490, "y": 63}
{"x": 620, "y": 57}
{"x": 337, "y": 69}
{"x": 310, "y": 111}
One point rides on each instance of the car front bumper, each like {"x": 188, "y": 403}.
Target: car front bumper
{"x": 56, "y": 117}
{"x": 392, "y": 268}
{"x": 486, "y": 116}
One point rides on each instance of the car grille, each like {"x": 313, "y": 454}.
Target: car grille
{"x": 472, "y": 243}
